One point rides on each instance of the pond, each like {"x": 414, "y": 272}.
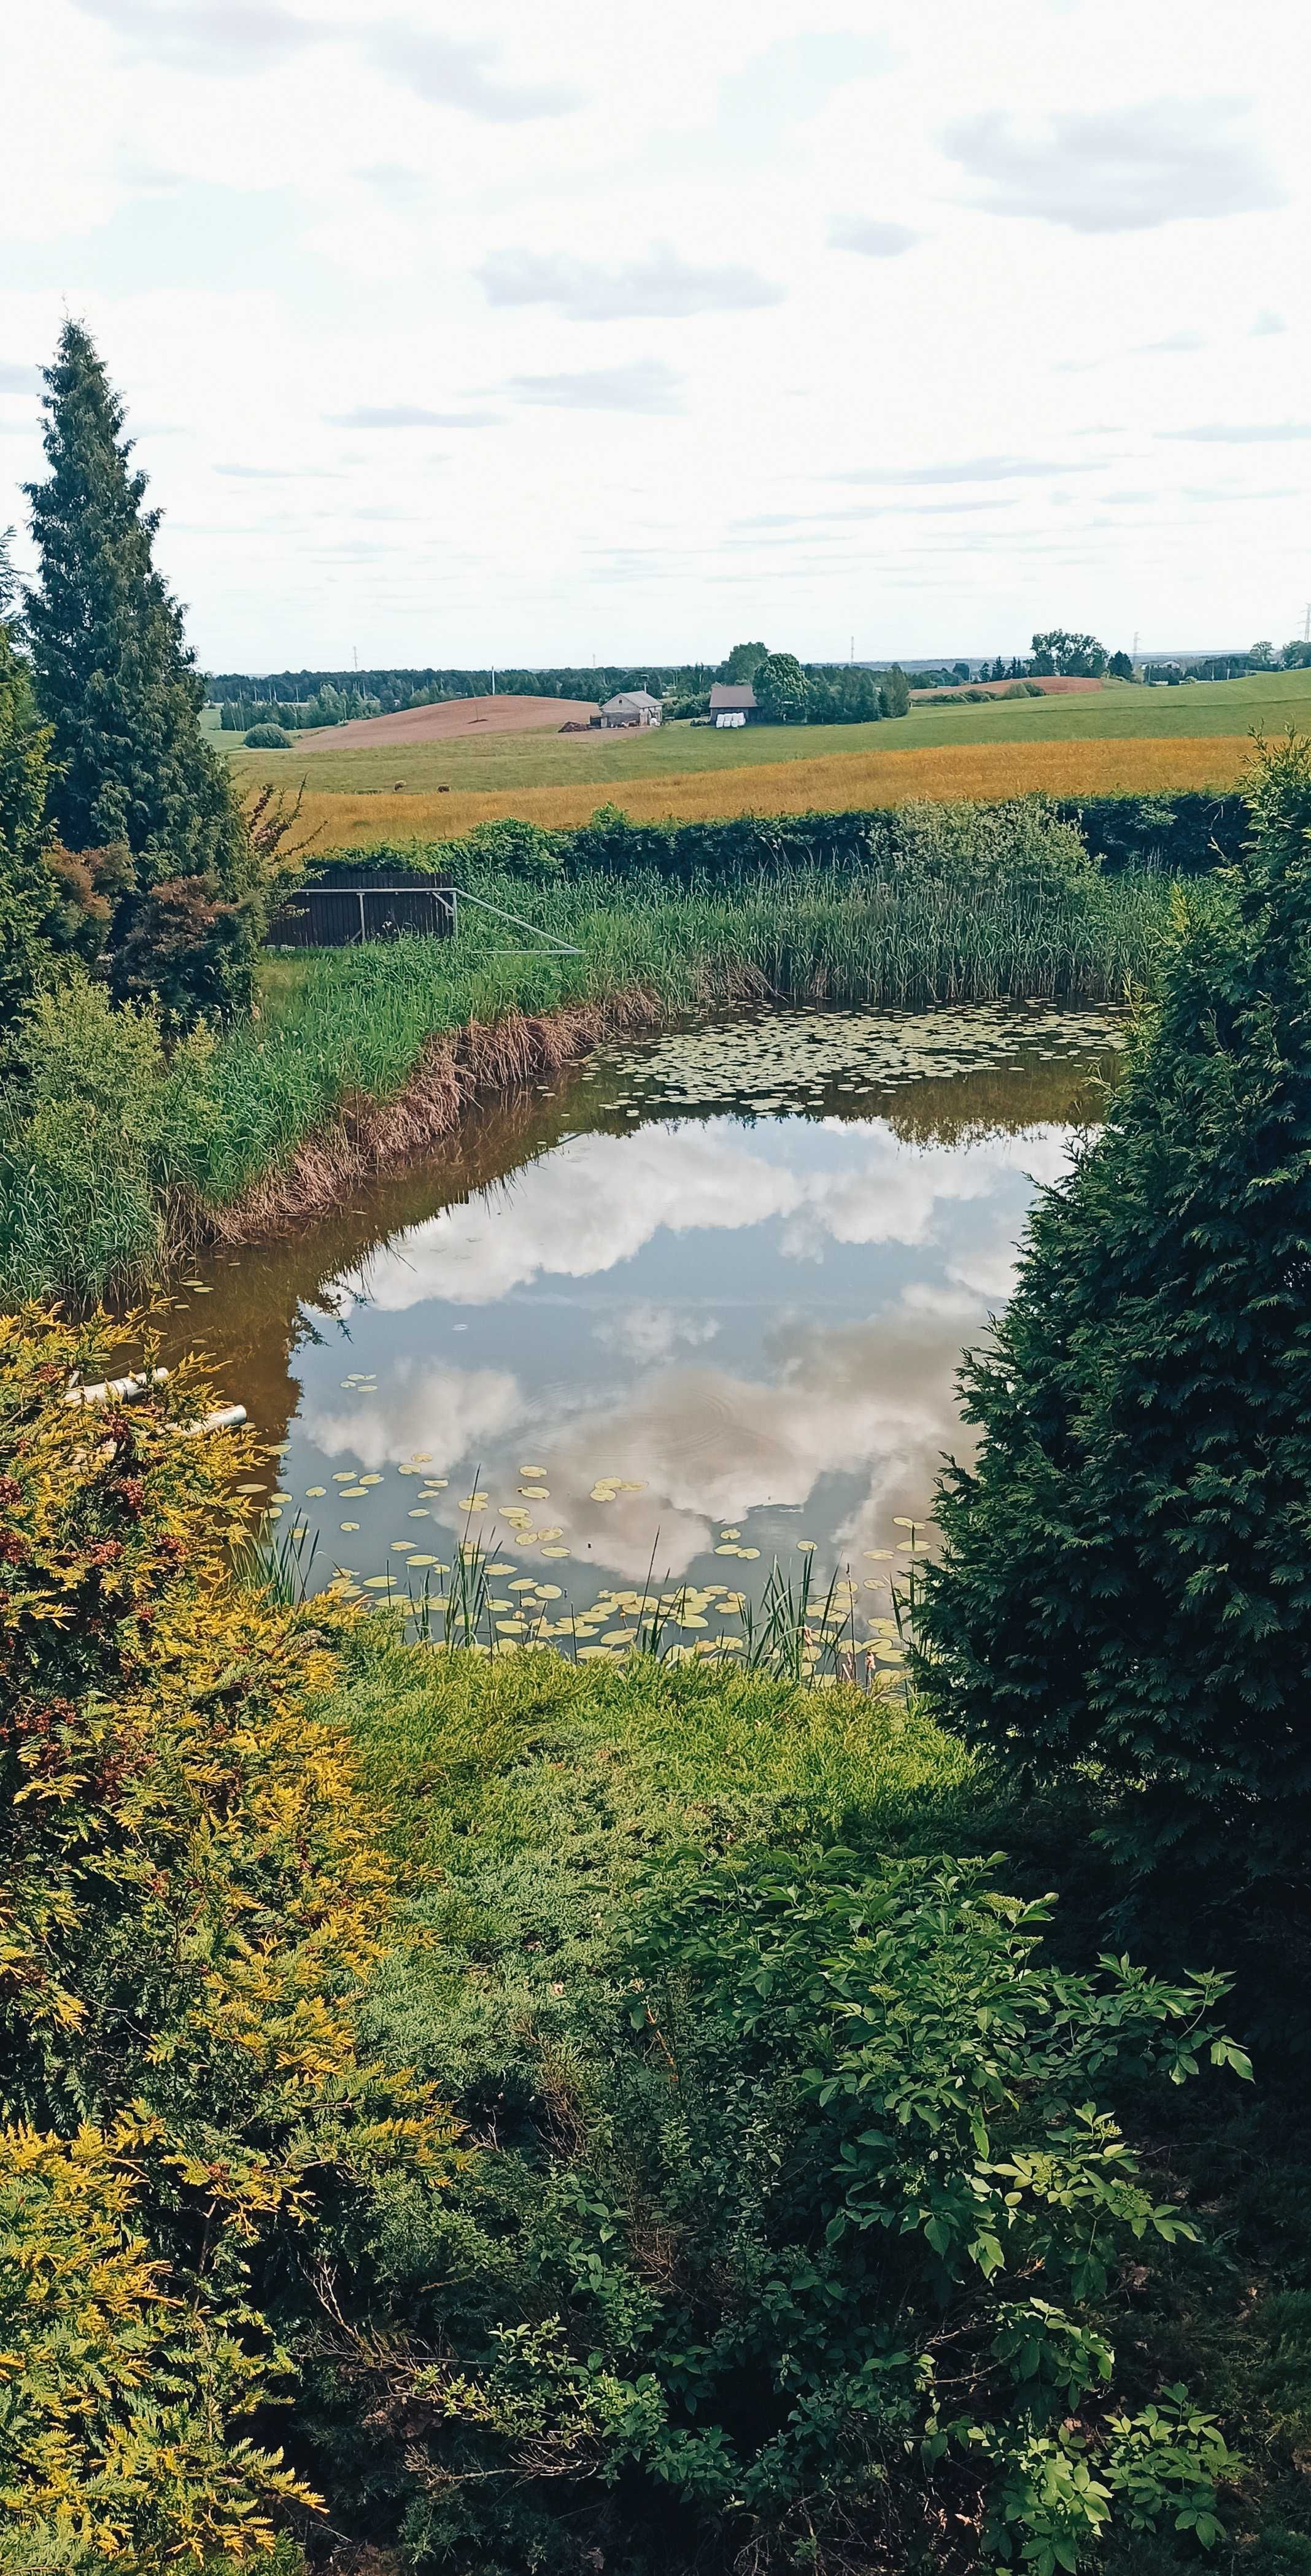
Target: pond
{"x": 689, "y": 1308}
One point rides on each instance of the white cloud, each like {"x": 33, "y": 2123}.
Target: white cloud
{"x": 644, "y": 384}
{"x": 1125, "y": 169}
{"x": 601, "y": 1198}
{"x": 1176, "y": 344}
{"x": 659, "y": 285}
{"x": 338, "y": 177}
{"x": 279, "y": 473}
{"x": 409, "y": 416}
{"x": 451, "y": 71}
{"x": 647, "y": 1333}
{"x": 449, "y": 1412}
{"x": 973, "y": 469}
{"x": 237, "y": 37}
{"x": 874, "y": 240}
{"x": 208, "y": 35}
{"x": 1249, "y": 433}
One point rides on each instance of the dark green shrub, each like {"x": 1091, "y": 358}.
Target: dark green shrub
{"x": 1126, "y": 1575}
{"x": 26, "y": 887}
{"x": 1182, "y": 835}
{"x": 267, "y": 737}
{"x": 176, "y": 946}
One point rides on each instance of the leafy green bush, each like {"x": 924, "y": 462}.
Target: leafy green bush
{"x": 797, "y": 2232}
{"x": 1022, "y": 842}
{"x": 267, "y": 737}
{"x": 781, "y": 690}
{"x": 514, "y": 849}
{"x": 178, "y": 947}
{"x": 1126, "y": 1573}
{"x": 1183, "y": 835}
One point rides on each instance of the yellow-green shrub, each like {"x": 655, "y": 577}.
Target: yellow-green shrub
{"x": 191, "y": 1903}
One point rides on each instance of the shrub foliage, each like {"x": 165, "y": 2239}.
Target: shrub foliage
{"x": 796, "y": 2230}
{"x": 191, "y": 1905}
{"x": 1126, "y": 1572}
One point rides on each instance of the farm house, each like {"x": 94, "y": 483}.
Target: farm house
{"x": 732, "y": 702}
{"x": 630, "y": 707}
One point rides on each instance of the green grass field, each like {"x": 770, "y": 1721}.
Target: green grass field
{"x": 1117, "y": 713}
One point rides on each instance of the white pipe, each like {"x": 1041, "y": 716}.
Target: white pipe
{"x": 107, "y": 1388}
{"x": 226, "y": 1417}
{"x": 229, "y": 1417}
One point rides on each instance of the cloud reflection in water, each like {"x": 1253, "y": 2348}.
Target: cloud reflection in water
{"x": 838, "y": 1271}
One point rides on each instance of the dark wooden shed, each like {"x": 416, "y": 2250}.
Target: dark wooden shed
{"x": 344, "y": 904}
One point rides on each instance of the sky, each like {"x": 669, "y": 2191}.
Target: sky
{"x": 579, "y": 333}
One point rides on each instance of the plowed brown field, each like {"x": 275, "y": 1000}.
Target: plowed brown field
{"x": 454, "y": 721}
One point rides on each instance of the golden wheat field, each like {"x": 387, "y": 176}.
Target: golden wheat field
{"x": 831, "y": 785}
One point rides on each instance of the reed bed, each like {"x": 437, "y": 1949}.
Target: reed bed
{"x": 836, "y": 783}
{"x": 124, "y": 1159}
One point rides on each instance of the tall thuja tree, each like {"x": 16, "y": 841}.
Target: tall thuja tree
{"x": 116, "y": 681}
{"x": 26, "y": 888}
{"x": 1126, "y": 1572}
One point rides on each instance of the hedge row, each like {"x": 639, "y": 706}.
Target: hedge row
{"x": 1181, "y": 835}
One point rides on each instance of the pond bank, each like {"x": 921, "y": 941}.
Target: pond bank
{"x": 120, "y": 1158}
{"x": 369, "y": 1137}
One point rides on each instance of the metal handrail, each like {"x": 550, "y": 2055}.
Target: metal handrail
{"x": 556, "y": 947}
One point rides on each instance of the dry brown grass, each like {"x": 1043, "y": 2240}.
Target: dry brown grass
{"x": 367, "y": 1136}
{"x": 830, "y": 785}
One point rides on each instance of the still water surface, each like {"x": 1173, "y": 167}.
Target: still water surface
{"x": 691, "y": 1306}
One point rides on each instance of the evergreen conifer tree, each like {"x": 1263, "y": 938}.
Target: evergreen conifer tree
{"x": 116, "y": 681}
{"x": 26, "y": 888}
{"x": 1126, "y": 1575}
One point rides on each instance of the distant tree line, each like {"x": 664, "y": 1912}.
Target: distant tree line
{"x": 300, "y": 700}
{"x": 1293, "y": 656}
{"x": 797, "y": 693}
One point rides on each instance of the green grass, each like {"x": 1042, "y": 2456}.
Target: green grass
{"x": 1120, "y": 711}
{"x": 524, "y": 1797}
{"x": 111, "y": 1165}
{"x": 454, "y": 1743}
